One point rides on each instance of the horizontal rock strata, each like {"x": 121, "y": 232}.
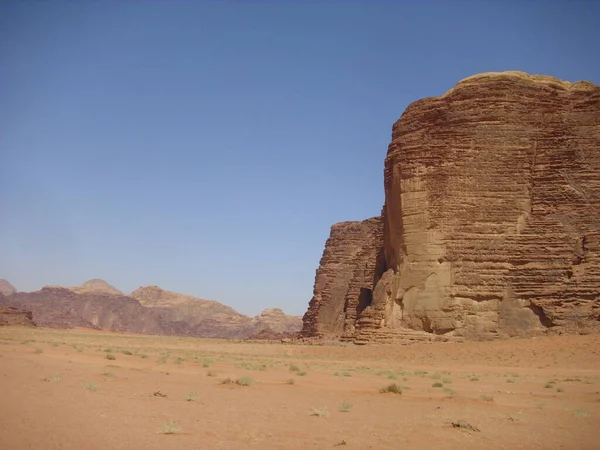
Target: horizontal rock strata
{"x": 492, "y": 215}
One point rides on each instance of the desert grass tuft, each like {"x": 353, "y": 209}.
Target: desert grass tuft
{"x": 320, "y": 412}
{"x": 345, "y": 407}
{"x": 392, "y": 388}
{"x": 170, "y": 427}
{"x": 244, "y": 381}
{"x": 190, "y": 396}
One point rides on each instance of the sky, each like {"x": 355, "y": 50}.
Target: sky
{"x": 207, "y": 147}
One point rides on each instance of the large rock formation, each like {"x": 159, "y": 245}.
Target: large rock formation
{"x": 491, "y": 216}
{"x": 345, "y": 278}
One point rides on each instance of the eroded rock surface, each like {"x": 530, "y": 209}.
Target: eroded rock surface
{"x": 345, "y": 278}
{"x": 491, "y": 216}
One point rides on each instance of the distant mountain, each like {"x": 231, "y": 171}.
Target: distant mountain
{"x": 6, "y": 288}
{"x": 148, "y": 310}
{"x": 96, "y": 285}
{"x": 208, "y": 316}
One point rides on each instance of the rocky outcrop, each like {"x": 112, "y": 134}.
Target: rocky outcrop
{"x": 345, "y": 278}
{"x": 491, "y": 216}
{"x": 274, "y": 320}
{"x": 6, "y": 288}
{"x": 10, "y": 317}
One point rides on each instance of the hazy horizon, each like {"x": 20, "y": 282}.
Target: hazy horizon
{"x": 207, "y": 147}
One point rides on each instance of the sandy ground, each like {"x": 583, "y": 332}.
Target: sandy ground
{"x": 83, "y": 389}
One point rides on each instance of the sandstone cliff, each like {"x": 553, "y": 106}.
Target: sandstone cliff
{"x": 491, "y": 217}
{"x": 345, "y": 278}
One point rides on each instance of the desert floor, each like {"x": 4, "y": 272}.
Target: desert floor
{"x": 83, "y": 389}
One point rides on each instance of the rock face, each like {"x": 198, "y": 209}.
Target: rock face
{"x": 10, "y": 317}
{"x": 491, "y": 217}
{"x": 6, "y": 288}
{"x": 345, "y": 278}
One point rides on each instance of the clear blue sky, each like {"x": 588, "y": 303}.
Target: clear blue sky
{"x": 208, "y": 147}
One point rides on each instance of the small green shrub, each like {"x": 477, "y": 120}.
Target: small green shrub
{"x": 301, "y": 374}
{"x": 449, "y": 392}
{"x": 170, "y": 427}
{"x": 127, "y": 352}
{"x": 244, "y": 381}
{"x": 91, "y": 386}
{"x": 345, "y": 407}
{"x": 290, "y": 381}
{"x": 55, "y": 378}
{"x": 111, "y": 356}
{"x": 294, "y": 368}
{"x": 190, "y": 396}
{"x": 581, "y": 413}
{"x": 391, "y": 388}
{"x": 319, "y": 412}
{"x": 343, "y": 374}
{"x": 437, "y": 385}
